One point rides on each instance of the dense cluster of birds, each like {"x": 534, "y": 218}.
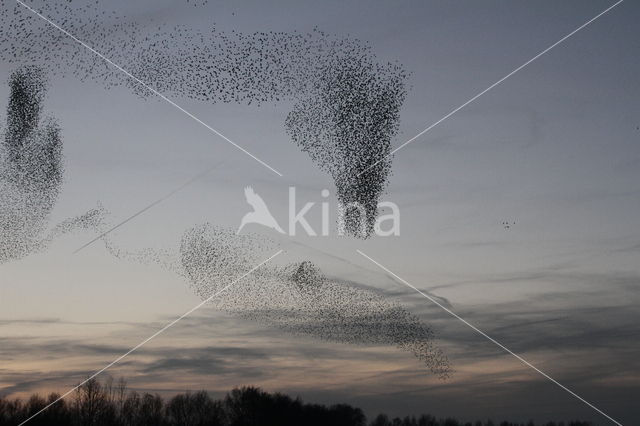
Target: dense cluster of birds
{"x": 346, "y": 104}
{"x": 346, "y": 126}
{"x": 31, "y": 171}
{"x": 296, "y": 298}
{"x": 345, "y": 112}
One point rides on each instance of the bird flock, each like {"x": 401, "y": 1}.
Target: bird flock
{"x": 346, "y": 104}
{"x": 31, "y": 171}
{"x": 345, "y": 112}
{"x": 296, "y": 298}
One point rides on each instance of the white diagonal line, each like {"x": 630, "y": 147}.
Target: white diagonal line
{"x": 199, "y": 305}
{"x": 149, "y": 206}
{"x": 452, "y": 112}
{"x": 146, "y": 86}
{"x": 482, "y": 333}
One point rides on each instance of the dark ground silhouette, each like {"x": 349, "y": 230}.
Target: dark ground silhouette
{"x": 109, "y": 403}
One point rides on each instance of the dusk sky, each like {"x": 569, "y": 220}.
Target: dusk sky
{"x": 554, "y": 150}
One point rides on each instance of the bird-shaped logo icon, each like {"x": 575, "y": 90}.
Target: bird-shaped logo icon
{"x": 260, "y": 214}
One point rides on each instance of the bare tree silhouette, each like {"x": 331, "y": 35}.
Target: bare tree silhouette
{"x": 108, "y": 403}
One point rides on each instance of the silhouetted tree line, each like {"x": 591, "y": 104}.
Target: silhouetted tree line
{"x": 107, "y": 403}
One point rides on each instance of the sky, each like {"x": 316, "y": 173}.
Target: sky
{"x": 554, "y": 150}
